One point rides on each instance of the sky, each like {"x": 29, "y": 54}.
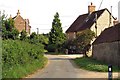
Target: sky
{"x": 41, "y": 12}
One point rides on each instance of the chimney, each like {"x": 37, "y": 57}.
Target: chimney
{"x": 91, "y": 8}
{"x": 10, "y": 16}
{"x": 18, "y": 13}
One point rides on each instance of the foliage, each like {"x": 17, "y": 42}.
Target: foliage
{"x": 56, "y": 35}
{"x": 17, "y": 53}
{"x": 51, "y": 48}
{"x": 33, "y": 35}
{"x": 19, "y": 71}
{"x": 82, "y": 42}
{"x": 43, "y": 39}
{"x": 34, "y": 39}
{"x": 23, "y": 35}
{"x": 93, "y": 65}
{"x": 38, "y": 38}
{"x": 8, "y": 29}
{"x": 84, "y": 39}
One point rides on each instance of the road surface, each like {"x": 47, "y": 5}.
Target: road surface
{"x": 62, "y": 66}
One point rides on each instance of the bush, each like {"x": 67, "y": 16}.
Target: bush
{"x": 19, "y": 53}
{"x": 8, "y": 29}
{"x": 51, "y": 48}
{"x": 23, "y": 35}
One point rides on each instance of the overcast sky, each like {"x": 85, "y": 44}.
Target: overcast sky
{"x": 41, "y": 12}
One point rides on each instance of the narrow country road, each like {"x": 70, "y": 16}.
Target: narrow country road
{"x": 62, "y": 66}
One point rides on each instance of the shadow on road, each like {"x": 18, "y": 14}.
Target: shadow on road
{"x": 60, "y": 59}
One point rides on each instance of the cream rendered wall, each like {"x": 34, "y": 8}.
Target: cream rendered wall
{"x": 103, "y": 22}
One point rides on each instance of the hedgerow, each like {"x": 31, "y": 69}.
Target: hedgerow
{"x": 19, "y": 54}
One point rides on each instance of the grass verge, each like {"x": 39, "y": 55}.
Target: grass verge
{"x": 93, "y": 65}
{"x": 21, "y": 71}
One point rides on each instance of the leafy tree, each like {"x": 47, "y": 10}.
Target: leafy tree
{"x": 9, "y": 24}
{"x": 38, "y": 38}
{"x": 83, "y": 40}
{"x": 2, "y": 19}
{"x": 43, "y": 39}
{"x": 56, "y": 35}
{"x": 15, "y": 33}
{"x": 8, "y": 29}
{"x": 23, "y": 35}
{"x": 34, "y": 38}
{"x": 33, "y": 35}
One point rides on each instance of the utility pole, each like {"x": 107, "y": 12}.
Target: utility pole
{"x": 100, "y": 4}
{"x": 110, "y": 20}
{"x": 37, "y": 30}
{"x": 96, "y": 25}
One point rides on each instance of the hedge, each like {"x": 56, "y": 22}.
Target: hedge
{"x": 18, "y": 54}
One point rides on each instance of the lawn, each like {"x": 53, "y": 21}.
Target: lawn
{"x": 93, "y": 65}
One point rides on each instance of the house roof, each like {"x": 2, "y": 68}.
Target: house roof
{"x": 14, "y": 17}
{"x": 78, "y": 22}
{"x": 85, "y": 21}
{"x": 110, "y": 34}
{"x": 22, "y": 19}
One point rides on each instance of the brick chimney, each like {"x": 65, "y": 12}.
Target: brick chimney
{"x": 18, "y": 13}
{"x": 91, "y": 8}
{"x": 10, "y": 16}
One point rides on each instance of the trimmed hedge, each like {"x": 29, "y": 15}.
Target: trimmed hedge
{"x": 18, "y": 54}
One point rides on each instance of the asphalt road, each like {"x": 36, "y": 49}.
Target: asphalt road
{"x": 62, "y": 66}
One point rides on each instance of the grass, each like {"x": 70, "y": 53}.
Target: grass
{"x": 24, "y": 70}
{"x": 93, "y": 65}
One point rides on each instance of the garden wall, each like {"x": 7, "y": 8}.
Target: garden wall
{"x": 107, "y": 52}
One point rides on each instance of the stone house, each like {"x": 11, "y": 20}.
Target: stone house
{"x": 21, "y": 24}
{"x": 106, "y": 47}
{"x": 97, "y": 21}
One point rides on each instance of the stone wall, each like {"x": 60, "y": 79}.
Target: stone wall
{"x": 107, "y": 52}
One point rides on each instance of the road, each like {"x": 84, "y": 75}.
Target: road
{"x": 62, "y": 66}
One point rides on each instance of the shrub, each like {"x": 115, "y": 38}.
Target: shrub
{"x": 23, "y": 35}
{"x": 19, "y": 53}
{"x": 51, "y": 48}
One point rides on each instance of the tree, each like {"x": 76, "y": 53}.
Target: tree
{"x": 33, "y": 35}
{"x": 43, "y": 39}
{"x": 83, "y": 40}
{"x": 8, "y": 29}
{"x": 23, "y": 35}
{"x": 34, "y": 38}
{"x": 56, "y": 35}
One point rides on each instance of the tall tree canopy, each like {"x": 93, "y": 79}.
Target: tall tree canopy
{"x": 56, "y": 35}
{"x": 9, "y": 30}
